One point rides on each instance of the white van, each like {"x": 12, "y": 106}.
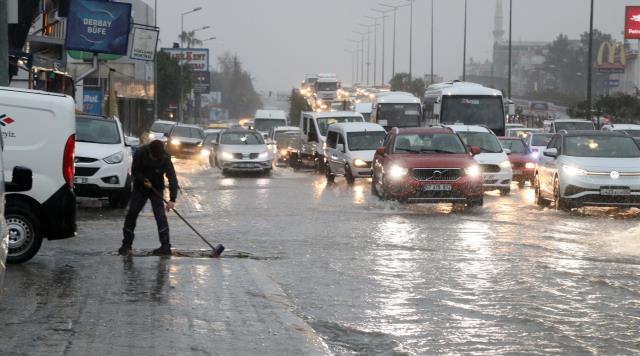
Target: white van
{"x": 309, "y": 150}
{"x": 265, "y": 120}
{"x": 39, "y": 134}
{"x": 350, "y": 149}
{"x": 555, "y": 126}
{"x": 493, "y": 158}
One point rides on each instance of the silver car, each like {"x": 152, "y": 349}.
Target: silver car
{"x": 242, "y": 151}
{"x": 589, "y": 168}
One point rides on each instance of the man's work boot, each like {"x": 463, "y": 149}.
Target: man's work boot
{"x": 164, "y": 250}
{"x": 125, "y": 250}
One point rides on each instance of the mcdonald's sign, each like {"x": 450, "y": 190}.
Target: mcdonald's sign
{"x": 612, "y": 58}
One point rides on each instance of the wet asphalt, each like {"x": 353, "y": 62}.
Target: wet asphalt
{"x": 312, "y": 268}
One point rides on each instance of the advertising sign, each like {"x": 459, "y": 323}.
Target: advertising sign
{"x": 92, "y": 101}
{"x": 611, "y": 83}
{"x": 632, "y": 23}
{"x": 611, "y": 58}
{"x": 201, "y": 82}
{"x": 143, "y": 45}
{"x": 198, "y": 58}
{"x": 98, "y": 26}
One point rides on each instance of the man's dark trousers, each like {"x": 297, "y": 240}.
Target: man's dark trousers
{"x": 137, "y": 202}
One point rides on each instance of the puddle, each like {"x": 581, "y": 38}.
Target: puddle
{"x": 199, "y": 254}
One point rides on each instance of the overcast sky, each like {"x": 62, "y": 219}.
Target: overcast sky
{"x": 280, "y": 40}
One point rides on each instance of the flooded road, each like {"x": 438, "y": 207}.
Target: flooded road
{"x": 372, "y": 277}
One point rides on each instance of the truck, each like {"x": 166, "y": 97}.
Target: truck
{"x": 325, "y": 90}
{"x": 308, "y": 149}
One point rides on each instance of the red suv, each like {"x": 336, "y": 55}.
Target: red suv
{"x": 522, "y": 162}
{"x": 427, "y": 165}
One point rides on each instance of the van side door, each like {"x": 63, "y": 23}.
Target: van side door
{"x": 331, "y": 153}
{"x": 340, "y": 153}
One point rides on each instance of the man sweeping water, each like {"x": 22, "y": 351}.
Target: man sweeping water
{"x": 151, "y": 164}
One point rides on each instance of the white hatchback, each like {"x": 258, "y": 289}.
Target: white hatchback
{"x": 496, "y": 168}
{"x": 103, "y": 160}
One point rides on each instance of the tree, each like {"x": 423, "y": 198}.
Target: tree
{"x": 619, "y": 107}
{"x": 403, "y": 82}
{"x": 239, "y": 97}
{"x": 298, "y": 104}
{"x": 169, "y": 81}
{"x": 190, "y": 39}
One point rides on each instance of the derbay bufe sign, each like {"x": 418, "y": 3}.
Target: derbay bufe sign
{"x": 98, "y": 26}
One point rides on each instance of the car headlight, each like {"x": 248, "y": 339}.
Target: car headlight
{"x": 283, "y": 152}
{"x": 263, "y": 155}
{"x": 175, "y": 142}
{"x": 397, "y": 172}
{"x": 360, "y": 163}
{"x": 573, "y": 171}
{"x": 505, "y": 164}
{"x": 530, "y": 165}
{"x": 226, "y": 156}
{"x": 535, "y": 154}
{"x": 152, "y": 136}
{"x": 114, "y": 158}
{"x": 205, "y": 152}
{"x": 473, "y": 171}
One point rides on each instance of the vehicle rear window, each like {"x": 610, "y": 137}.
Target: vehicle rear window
{"x": 97, "y": 130}
{"x": 365, "y": 141}
{"x": 185, "y": 131}
{"x": 161, "y": 127}
{"x": 516, "y": 146}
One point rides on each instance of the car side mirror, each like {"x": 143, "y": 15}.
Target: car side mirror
{"x": 380, "y": 151}
{"x": 22, "y": 180}
{"x": 166, "y": 134}
{"x": 551, "y": 152}
{"x": 507, "y": 151}
{"x": 475, "y": 150}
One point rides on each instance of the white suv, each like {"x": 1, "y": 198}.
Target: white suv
{"x": 493, "y": 159}
{"x": 103, "y": 162}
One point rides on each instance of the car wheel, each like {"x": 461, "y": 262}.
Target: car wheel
{"x": 349, "y": 175}
{"x": 521, "y": 183}
{"x": 267, "y": 172}
{"x": 318, "y": 165}
{"x": 559, "y": 202}
{"x": 541, "y": 201}
{"x": 24, "y": 233}
{"x": 505, "y": 191}
{"x": 330, "y": 177}
{"x": 293, "y": 162}
{"x": 475, "y": 203}
{"x": 225, "y": 173}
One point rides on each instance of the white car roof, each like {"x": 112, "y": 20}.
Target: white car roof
{"x": 397, "y": 98}
{"x": 210, "y": 131}
{"x": 164, "y": 122}
{"x": 356, "y": 127}
{"x": 461, "y": 88}
{"x": 570, "y": 120}
{"x": 468, "y": 128}
{"x": 616, "y": 127}
{"x": 286, "y": 128}
{"x": 270, "y": 114}
{"x": 333, "y": 114}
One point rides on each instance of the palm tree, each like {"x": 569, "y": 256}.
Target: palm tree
{"x": 190, "y": 39}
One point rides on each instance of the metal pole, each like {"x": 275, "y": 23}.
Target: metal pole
{"x": 182, "y": 35}
{"x": 384, "y": 31}
{"x": 411, "y": 41}
{"x": 155, "y": 66}
{"x": 375, "y": 51}
{"x": 4, "y": 44}
{"x": 395, "y": 18}
{"x": 432, "y": 26}
{"x": 368, "y": 55}
{"x": 464, "y": 46}
{"x": 510, "y": 48}
{"x": 590, "y": 65}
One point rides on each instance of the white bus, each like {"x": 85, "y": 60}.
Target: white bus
{"x": 466, "y": 103}
{"x": 396, "y": 109}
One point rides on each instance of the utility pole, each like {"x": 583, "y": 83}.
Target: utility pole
{"x": 361, "y": 55}
{"x": 4, "y": 44}
{"x": 357, "y": 52}
{"x": 464, "y": 46}
{"x": 411, "y": 39}
{"x": 375, "y": 49}
{"x": 510, "y": 48}
{"x": 432, "y": 27}
{"x": 395, "y": 18}
{"x": 590, "y": 66}
{"x": 368, "y": 51}
{"x": 384, "y": 36}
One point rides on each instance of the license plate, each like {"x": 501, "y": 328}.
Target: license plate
{"x": 615, "y": 191}
{"x": 518, "y": 172}
{"x": 80, "y": 180}
{"x": 436, "y": 187}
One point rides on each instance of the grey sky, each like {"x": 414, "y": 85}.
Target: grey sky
{"x": 281, "y": 40}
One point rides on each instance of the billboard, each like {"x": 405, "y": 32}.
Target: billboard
{"x": 611, "y": 58}
{"x": 632, "y": 23}
{"x": 92, "y": 101}
{"x": 143, "y": 45}
{"x": 201, "y": 82}
{"x": 98, "y": 26}
{"x": 197, "y": 58}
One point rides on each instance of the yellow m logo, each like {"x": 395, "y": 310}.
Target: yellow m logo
{"x": 611, "y": 50}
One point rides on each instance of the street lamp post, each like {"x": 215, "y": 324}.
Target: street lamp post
{"x": 590, "y": 65}
{"x": 155, "y": 66}
{"x": 432, "y": 26}
{"x": 375, "y": 48}
{"x": 464, "y": 46}
{"x": 353, "y": 52}
{"x": 395, "y": 18}
{"x": 368, "y": 51}
{"x": 361, "y": 55}
{"x": 411, "y": 38}
{"x": 357, "y": 52}
{"x": 510, "y": 47}
{"x": 180, "y": 100}
{"x": 384, "y": 36}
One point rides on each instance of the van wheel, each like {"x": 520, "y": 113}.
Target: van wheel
{"x": 24, "y": 233}
{"x": 349, "y": 175}
{"x": 330, "y": 177}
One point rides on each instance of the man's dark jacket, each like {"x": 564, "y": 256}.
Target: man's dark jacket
{"x": 144, "y": 167}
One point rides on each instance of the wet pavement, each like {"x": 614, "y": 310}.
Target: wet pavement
{"x": 313, "y": 269}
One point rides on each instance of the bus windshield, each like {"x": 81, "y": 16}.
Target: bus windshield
{"x": 398, "y": 115}
{"x": 473, "y": 110}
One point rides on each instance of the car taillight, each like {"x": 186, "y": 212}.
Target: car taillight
{"x": 68, "y": 164}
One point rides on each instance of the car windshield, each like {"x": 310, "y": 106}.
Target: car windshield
{"x": 186, "y": 131}
{"x": 473, "y": 110}
{"x": 265, "y": 125}
{"x": 212, "y": 137}
{"x": 515, "y": 146}
{"x": 282, "y": 135}
{"x": 365, "y": 141}
{"x": 325, "y": 122}
{"x": 429, "y": 143}
{"x": 487, "y": 142}
{"x": 161, "y": 127}
{"x": 634, "y": 133}
{"x": 326, "y": 86}
{"x": 601, "y": 146}
{"x": 241, "y": 138}
{"x": 541, "y": 140}
{"x": 97, "y": 130}
{"x": 574, "y": 126}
